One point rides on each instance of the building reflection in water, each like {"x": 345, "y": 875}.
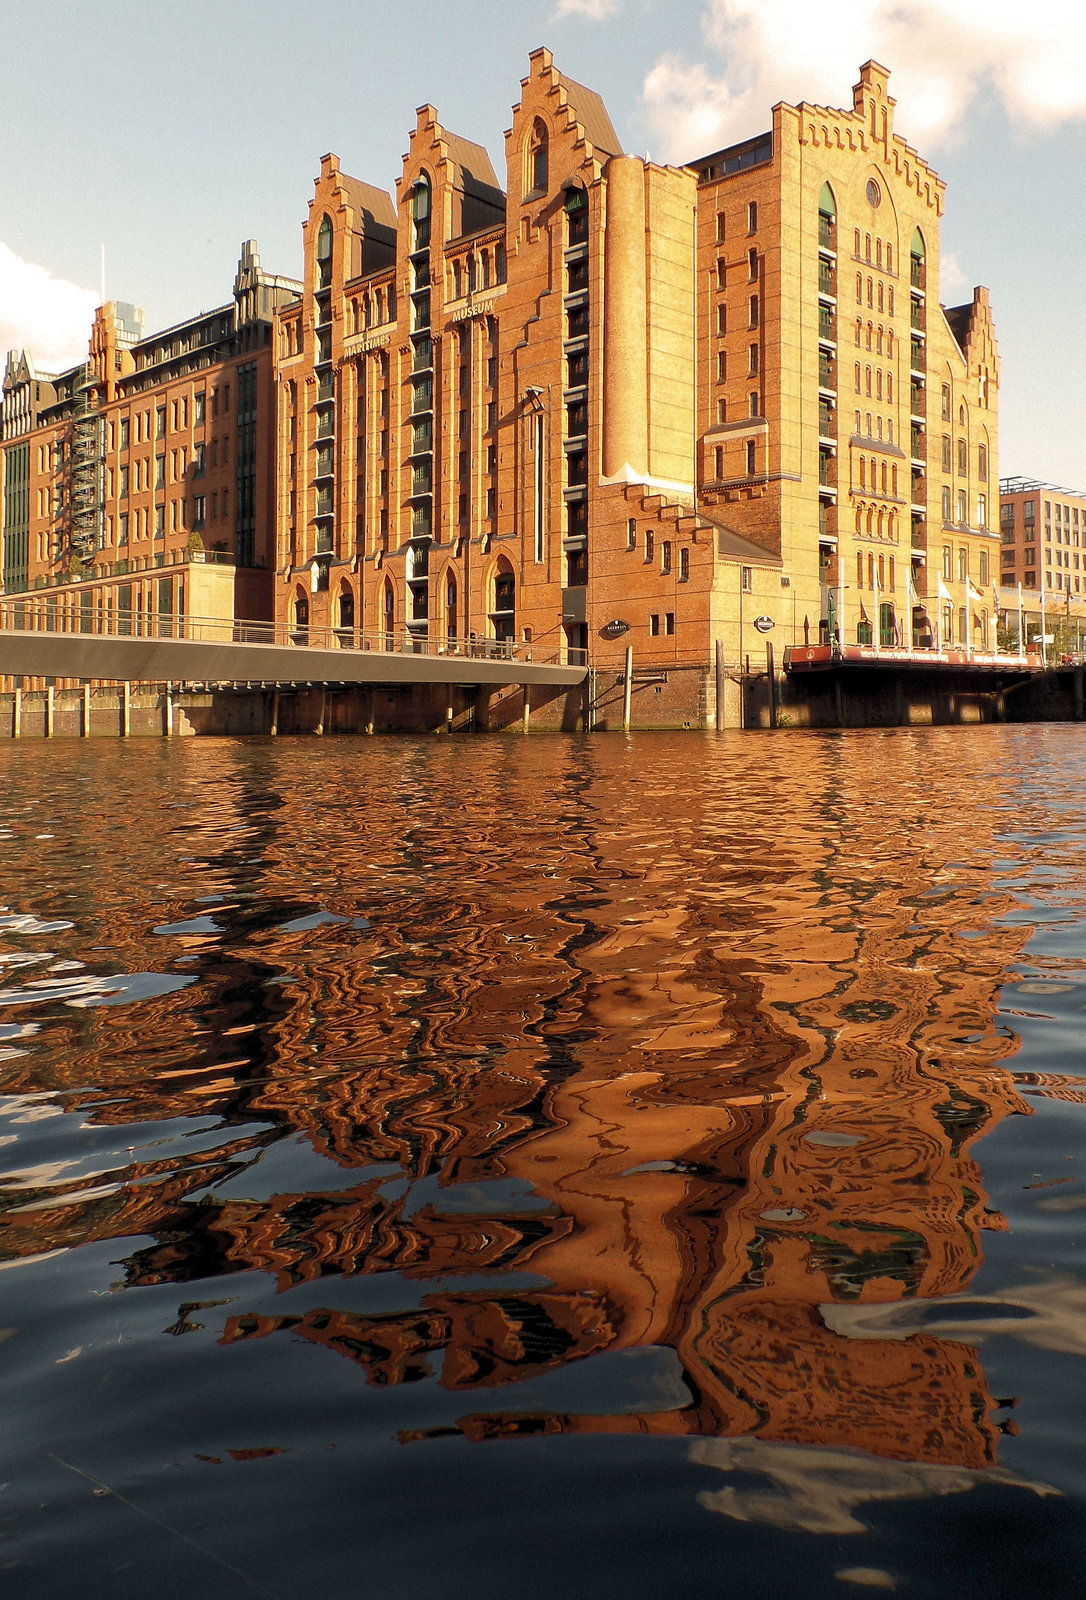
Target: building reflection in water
{"x": 633, "y": 1092}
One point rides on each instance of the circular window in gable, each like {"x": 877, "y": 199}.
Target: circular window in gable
{"x": 874, "y": 193}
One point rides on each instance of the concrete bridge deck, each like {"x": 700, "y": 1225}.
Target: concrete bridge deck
{"x": 149, "y": 650}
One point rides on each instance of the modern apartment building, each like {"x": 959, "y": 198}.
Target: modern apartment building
{"x": 1043, "y": 534}
{"x": 604, "y": 403}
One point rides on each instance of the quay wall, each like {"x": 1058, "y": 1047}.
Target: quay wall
{"x": 675, "y": 698}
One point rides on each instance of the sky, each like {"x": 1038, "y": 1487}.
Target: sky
{"x": 170, "y": 134}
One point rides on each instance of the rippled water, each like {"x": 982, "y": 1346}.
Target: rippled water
{"x": 548, "y": 1167}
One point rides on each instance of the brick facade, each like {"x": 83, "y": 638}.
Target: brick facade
{"x": 609, "y": 405}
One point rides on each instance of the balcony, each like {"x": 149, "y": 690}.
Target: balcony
{"x": 827, "y": 324}
{"x": 916, "y": 355}
{"x": 827, "y": 519}
{"x": 918, "y": 443}
{"x": 827, "y": 420}
{"x": 325, "y": 503}
{"x": 827, "y": 277}
{"x": 919, "y": 536}
{"x": 917, "y": 399}
{"x": 827, "y": 233}
{"x": 827, "y": 470}
{"x": 916, "y": 316}
{"x": 917, "y": 274}
{"x": 827, "y": 371}
{"x": 919, "y": 489}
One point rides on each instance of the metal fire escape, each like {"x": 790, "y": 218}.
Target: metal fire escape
{"x": 85, "y": 485}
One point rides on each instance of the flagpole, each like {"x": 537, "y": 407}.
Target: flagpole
{"x": 995, "y": 621}
{"x": 1021, "y": 627}
{"x": 840, "y": 603}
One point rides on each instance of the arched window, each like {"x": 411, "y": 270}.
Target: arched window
{"x": 576, "y": 216}
{"x": 917, "y": 254}
{"x": 450, "y": 606}
{"x": 389, "y": 613}
{"x": 420, "y": 212}
{"x": 827, "y": 219}
{"x": 301, "y": 615}
{"x": 324, "y": 252}
{"x": 536, "y": 174}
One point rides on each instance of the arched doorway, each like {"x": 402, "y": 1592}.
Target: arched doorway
{"x": 301, "y": 617}
{"x": 450, "y": 606}
{"x": 503, "y": 615}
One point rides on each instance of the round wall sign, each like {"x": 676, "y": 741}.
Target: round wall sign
{"x": 763, "y": 624}
{"x": 615, "y": 629}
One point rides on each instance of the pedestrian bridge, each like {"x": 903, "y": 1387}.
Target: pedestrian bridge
{"x": 136, "y": 647}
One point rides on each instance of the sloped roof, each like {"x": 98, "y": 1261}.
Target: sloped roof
{"x": 472, "y": 159}
{"x": 591, "y": 113}
{"x": 367, "y": 198}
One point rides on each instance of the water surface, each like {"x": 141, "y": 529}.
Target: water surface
{"x": 552, "y": 1166}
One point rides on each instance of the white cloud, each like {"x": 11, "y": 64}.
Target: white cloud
{"x": 595, "y": 10}
{"x": 943, "y": 56}
{"x": 46, "y": 316}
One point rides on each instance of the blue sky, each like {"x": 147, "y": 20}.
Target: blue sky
{"x": 171, "y": 133}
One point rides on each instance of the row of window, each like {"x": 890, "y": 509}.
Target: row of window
{"x": 876, "y": 521}
{"x": 878, "y": 337}
{"x": 665, "y": 550}
{"x": 1067, "y": 515}
{"x": 883, "y": 257}
{"x": 963, "y": 564}
{"x": 963, "y": 458}
{"x": 888, "y": 475}
{"x": 879, "y": 297}
{"x": 869, "y": 427}
{"x": 960, "y": 503}
{"x": 750, "y": 453}
{"x": 752, "y": 316}
{"x": 751, "y": 220}
{"x": 880, "y": 383}
{"x": 881, "y": 566}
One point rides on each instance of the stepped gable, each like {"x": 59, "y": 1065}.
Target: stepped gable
{"x": 586, "y": 115}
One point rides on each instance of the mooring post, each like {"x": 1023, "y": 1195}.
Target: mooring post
{"x": 167, "y": 711}
{"x": 324, "y": 706}
{"x": 49, "y": 706}
{"x": 85, "y": 728}
{"x": 273, "y": 727}
{"x": 627, "y": 689}
{"x": 126, "y": 709}
{"x": 17, "y": 714}
{"x": 771, "y": 676}
{"x": 526, "y": 708}
{"x": 721, "y": 689}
